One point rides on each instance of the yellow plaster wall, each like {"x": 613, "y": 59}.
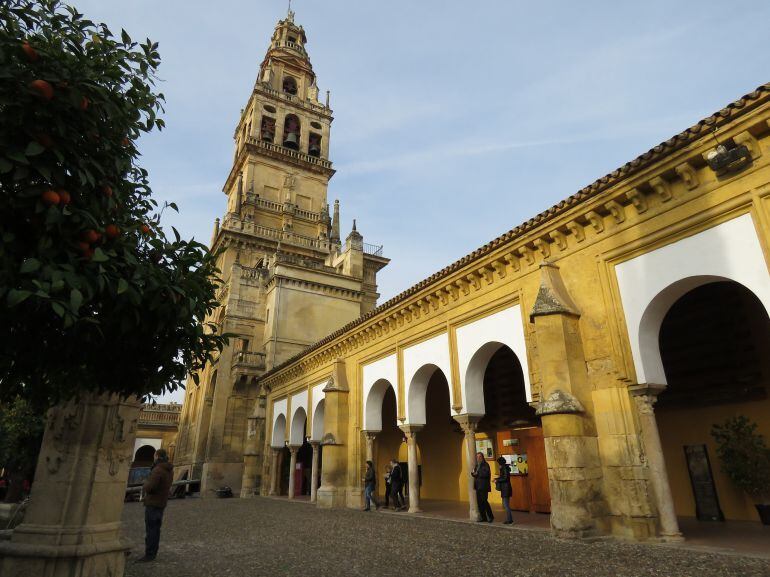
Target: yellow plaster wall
{"x": 680, "y": 427}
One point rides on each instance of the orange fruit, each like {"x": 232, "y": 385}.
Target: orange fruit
{"x": 42, "y": 89}
{"x": 30, "y": 52}
{"x": 50, "y": 197}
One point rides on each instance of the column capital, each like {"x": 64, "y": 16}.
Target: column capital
{"x": 645, "y": 395}
{"x": 410, "y": 430}
{"x": 468, "y": 422}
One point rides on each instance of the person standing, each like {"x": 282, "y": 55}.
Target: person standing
{"x": 388, "y": 469}
{"x": 481, "y": 483}
{"x": 370, "y": 482}
{"x": 503, "y": 484}
{"x": 156, "y": 489}
{"x": 396, "y": 485}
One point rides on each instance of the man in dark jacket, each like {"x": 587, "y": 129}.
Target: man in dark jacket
{"x": 481, "y": 482}
{"x": 156, "y": 489}
{"x": 396, "y": 485}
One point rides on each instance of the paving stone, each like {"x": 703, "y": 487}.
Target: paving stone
{"x": 272, "y": 538}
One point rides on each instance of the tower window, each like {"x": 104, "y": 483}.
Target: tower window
{"x": 314, "y": 145}
{"x": 290, "y": 85}
{"x": 267, "y": 131}
{"x": 291, "y": 132}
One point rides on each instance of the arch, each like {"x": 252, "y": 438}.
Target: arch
{"x": 651, "y": 282}
{"x": 297, "y": 432}
{"x": 652, "y": 319}
{"x": 145, "y": 454}
{"x": 474, "y": 377}
{"x": 289, "y": 85}
{"x": 373, "y": 404}
{"x": 278, "y": 438}
{"x": 291, "y": 132}
{"x": 318, "y": 421}
{"x": 418, "y": 387}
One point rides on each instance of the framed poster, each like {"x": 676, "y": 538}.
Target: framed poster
{"x": 706, "y": 501}
{"x": 486, "y": 447}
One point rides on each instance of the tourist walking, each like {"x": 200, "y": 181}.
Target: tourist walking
{"x": 503, "y": 484}
{"x": 396, "y": 485}
{"x": 156, "y": 489}
{"x": 481, "y": 483}
{"x": 388, "y": 469}
{"x": 370, "y": 482}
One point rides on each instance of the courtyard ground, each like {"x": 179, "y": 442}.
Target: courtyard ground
{"x": 274, "y": 537}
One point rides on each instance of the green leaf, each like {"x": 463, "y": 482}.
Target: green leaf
{"x": 122, "y": 286}
{"x": 99, "y": 255}
{"x": 76, "y": 299}
{"x": 30, "y": 265}
{"x": 58, "y": 308}
{"x": 34, "y": 148}
{"x": 17, "y": 296}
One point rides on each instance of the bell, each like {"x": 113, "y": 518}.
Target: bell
{"x": 291, "y": 141}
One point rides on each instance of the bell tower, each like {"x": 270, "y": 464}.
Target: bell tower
{"x": 289, "y": 279}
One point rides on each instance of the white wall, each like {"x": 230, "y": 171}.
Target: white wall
{"x": 279, "y": 408}
{"x": 317, "y": 395}
{"x": 385, "y": 369}
{"x": 298, "y": 417}
{"x": 434, "y": 352}
{"x": 142, "y": 441}
{"x": 504, "y": 327}
{"x": 650, "y": 283}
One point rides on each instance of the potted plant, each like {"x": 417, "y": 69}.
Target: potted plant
{"x": 746, "y": 460}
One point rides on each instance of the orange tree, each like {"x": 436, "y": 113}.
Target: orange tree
{"x": 94, "y": 297}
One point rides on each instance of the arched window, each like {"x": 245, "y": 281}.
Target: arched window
{"x": 267, "y": 131}
{"x": 289, "y": 85}
{"x": 291, "y": 132}
{"x": 314, "y": 145}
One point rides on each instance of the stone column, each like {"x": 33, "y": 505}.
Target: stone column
{"x": 469, "y": 424}
{"x": 316, "y": 445}
{"x": 645, "y": 396}
{"x": 292, "y": 467}
{"x": 274, "y": 472}
{"x": 314, "y": 471}
{"x": 72, "y": 526}
{"x": 414, "y": 474}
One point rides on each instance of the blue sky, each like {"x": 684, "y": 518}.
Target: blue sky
{"x": 454, "y": 121}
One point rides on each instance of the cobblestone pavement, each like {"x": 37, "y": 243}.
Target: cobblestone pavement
{"x": 271, "y": 538}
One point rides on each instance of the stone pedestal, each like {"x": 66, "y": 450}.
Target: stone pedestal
{"x": 469, "y": 424}
{"x": 645, "y": 396}
{"x": 572, "y": 450}
{"x": 252, "y": 454}
{"x": 414, "y": 472}
{"x": 72, "y": 525}
{"x": 334, "y": 480}
{"x": 316, "y": 445}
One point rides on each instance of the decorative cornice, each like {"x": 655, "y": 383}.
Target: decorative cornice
{"x": 516, "y": 257}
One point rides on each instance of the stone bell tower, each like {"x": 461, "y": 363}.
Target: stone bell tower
{"x": 289, "y": 279}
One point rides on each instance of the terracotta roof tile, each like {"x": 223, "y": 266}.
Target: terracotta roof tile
{"x": 654, "y": 154}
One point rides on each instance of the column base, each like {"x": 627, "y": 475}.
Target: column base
{"x": 331, "y": 498}
{"x": 32, "y": 551}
